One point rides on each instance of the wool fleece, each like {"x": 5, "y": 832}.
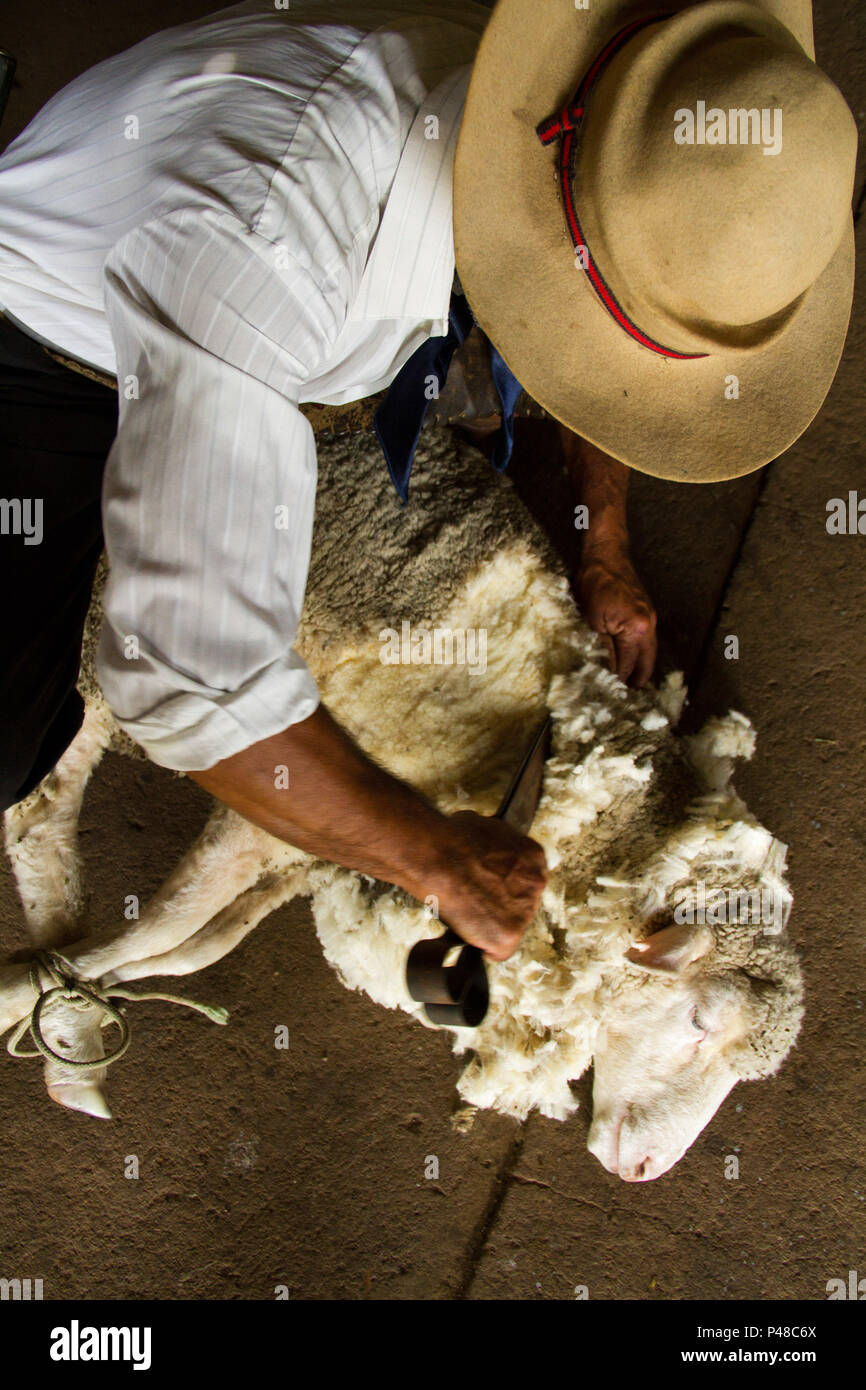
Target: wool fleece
{"x": 633, "y": 818}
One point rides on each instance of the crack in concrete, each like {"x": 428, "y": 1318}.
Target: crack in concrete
{"x": 567, "y": 1196}
{"x": 488, "y": 1217}
{"x": 699, "y": 667}
{"x": 607, "y": 1211}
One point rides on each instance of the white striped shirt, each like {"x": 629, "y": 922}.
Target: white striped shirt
{"x": 234, "y": 216}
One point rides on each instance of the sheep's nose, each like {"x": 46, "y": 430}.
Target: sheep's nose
{"x": 603, "y": 1141}
{"x": 638, "y": 1172}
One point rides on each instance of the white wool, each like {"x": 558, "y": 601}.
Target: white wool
{"x": 546, "y": 1001}
{"x": 672, "y": 695}
{"x": 400, "y": 712}
{"x": 721, "y": 741}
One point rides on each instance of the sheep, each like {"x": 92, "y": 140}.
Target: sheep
{"x": 631, "y": 965}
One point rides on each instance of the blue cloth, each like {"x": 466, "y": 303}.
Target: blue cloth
{"x": 398, "y": 420}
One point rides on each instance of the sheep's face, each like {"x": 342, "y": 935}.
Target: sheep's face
{"x": 664, "y": 1064}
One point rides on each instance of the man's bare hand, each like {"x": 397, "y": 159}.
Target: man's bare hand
{"x": 490, "y": 889}
{"x": 615, "y": 604}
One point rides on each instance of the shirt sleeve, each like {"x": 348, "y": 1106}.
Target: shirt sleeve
{"x": 209, "y": 488}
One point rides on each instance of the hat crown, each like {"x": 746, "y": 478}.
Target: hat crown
{"x": 715, "y": 176}
{"x": 668, "y": 395}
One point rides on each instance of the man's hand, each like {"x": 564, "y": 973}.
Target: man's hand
{"x": 615, "y": 604}
{"x": 490, "y": 891}
{"x": 340, "y": 806}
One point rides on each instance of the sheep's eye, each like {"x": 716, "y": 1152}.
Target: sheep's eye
{"x": 696, "y": 1022}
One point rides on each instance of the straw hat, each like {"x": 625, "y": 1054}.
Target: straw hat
{"x": 683, "y": 305}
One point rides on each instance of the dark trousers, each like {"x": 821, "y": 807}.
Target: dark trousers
{"x": 56, "y": 428}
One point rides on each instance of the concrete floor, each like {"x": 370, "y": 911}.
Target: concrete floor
{"x": 306, "y": 1167}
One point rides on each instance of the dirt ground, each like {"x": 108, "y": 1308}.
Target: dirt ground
{"x": 306, "y": 1167}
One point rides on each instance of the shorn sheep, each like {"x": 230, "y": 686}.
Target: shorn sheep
{"x": 659, "y": 954}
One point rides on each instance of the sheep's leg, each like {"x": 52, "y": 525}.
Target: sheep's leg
{"x": 41, "y": 835}
{"x": 83, "y": 1091}
{"x": 17, "y": 995}
{"x": 230, "y": 856}
{"x": 222, "y": 933}
{"x": 73, "y": 1028}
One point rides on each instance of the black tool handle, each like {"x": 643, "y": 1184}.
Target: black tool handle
{"x": 7, "y": 73}
{"x": 456, "y": 994}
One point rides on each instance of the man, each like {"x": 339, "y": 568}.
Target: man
{"x": 255, "y": 211}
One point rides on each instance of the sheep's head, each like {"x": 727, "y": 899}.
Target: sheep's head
{"x": 698, "y": 1012}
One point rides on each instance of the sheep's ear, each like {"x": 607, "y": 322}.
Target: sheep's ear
{"x": 672, "y": 948}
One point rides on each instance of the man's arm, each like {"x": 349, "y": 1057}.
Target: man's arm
{"x": 610, "y": 594}
{"x": 342, "y": 807}
{"x": 196, "y": 655}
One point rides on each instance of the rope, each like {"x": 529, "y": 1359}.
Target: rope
{"x": 67, "y": 986}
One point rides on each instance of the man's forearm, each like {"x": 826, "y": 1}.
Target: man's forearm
{"x": 608, "y": 590}
{"x": 334, "y": 802}
{"x": 601, "y": 485}
{"x": 486, "y": 878}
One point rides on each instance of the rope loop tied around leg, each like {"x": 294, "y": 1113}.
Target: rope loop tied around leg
{"x": 66, "y": 985}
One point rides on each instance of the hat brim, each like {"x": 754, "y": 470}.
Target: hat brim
{"x": 681, "y": 420}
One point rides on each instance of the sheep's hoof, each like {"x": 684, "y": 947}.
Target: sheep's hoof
{"x": 86, "y": 1096}
{"x": 75, "y": 1031}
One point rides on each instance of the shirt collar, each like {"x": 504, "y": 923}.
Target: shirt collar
{"x": 410, "y": 269}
